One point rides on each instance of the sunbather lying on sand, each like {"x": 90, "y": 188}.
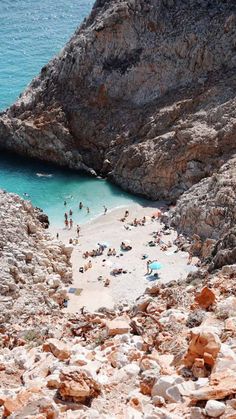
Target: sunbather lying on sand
{"x": 118, "y": 271}
{"x": 124, "y": 246}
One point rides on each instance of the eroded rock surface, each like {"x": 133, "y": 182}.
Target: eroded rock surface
{"x": 35, "y": 269}
{"x": 133, "y": 96}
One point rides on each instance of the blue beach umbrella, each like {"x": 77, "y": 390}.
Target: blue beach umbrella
{"x": 155, "y": 266}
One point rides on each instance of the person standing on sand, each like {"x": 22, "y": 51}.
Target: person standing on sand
{"x": 80, "y": 205}
{"x": 57, "y": 236}
{"x": 148, "y": 268}
{"x": 105, "y": 209}
{"x": 71, "y": 223}
{"x": 78, "y": 229}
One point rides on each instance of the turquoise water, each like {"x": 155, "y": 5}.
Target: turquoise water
{"x": 31, "y": 33}
{"x": 49, "y": 193}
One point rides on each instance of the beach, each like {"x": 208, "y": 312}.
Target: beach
{"x": 88, "y": 288}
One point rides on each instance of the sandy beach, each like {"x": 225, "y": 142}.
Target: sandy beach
{"x": 126, "y": 287}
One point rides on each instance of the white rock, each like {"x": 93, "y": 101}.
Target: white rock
{"x": 214, "y": 408}
{"x": 164, "y": 383}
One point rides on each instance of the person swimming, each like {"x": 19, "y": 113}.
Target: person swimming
{"x": 80, "y": 205}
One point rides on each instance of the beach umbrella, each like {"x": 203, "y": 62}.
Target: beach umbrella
{"x": 155, "y": 266}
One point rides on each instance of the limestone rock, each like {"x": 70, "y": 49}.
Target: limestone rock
{"x": 77, "y": 386}
{"x": 205, "y": 298}
{"x": 59, "y": 349}
{"x": 142, "y": 104}
{"x": 203, "y": 348}
{"x": 117, "y": 327}
{"x": 221, "y": 385}
{"x": 214, "y": 409}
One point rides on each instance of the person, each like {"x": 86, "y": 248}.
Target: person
{"x": 106, "y": 282}
{"x": 70, "y": 213}
{"x": 126, "y": 213}
{"x": 66, "y": 216}
{"x": 105, "y": 209}
{"x": 82, "y": 310}
{"x": 78, "y": 229}
{"x": 66, "y": 223}
{"x": 89, "y": 264}
{"x": 65, "y": 203}
{"x": 80, "y": 205}
{"x": 148, "y": 268}
{"x": 70, "y": 241}
{"x": 57, "y": 236}
{"x": 88, "y": 210}
{"x": 71, "y": 223}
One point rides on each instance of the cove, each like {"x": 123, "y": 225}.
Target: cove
{"x": 48, "y": 186}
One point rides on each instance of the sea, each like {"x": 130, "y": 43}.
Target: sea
{"x": 31, "y": 33}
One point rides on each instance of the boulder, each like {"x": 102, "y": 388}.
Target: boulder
{"x": 214, "y": 409}
{"x": 58, "y": 348}
{"x": 76, "y": 385}
{"x": 203, "y": 345}
{"x": 205, "y": 298}
{"x": 117, "y": 327}
{"x": 163, "y": 384}
{"x": 221, "y": 385}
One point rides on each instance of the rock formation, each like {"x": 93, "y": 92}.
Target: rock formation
{"x": 143, "y": 92}
{"x": 34, "y": 268}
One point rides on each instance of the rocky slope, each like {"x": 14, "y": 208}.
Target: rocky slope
{"x": 170, "y": 356}
{"x": 143, "y": 92}
{"x": 34, "y": 268}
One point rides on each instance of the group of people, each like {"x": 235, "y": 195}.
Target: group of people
{"x": 137, "y": 222}
{"x": 93, "y": 253}
{"x": 68, "y": 221}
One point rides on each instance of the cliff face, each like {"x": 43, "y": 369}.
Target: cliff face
{"x": 143, "y": 92}
{"x": 34, "y": 269}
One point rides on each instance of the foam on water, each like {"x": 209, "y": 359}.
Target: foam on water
{"x": 32, "y": 32}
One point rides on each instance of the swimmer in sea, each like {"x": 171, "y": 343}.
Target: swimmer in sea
{"x": 80, "y": 205}
{"x": 88, "y": 210}
{"x": 65, "y": 203}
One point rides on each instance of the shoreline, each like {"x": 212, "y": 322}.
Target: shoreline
{"x": 127, "y": 287}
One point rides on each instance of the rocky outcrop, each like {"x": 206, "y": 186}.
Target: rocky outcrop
{"x": 208, "y": 208}
{"x": 134, "y": 97}
{"x": 34, "y": 268}
{"x": 150, "y": 369}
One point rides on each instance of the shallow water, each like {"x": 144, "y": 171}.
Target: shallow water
{"x": 23, "y": 176}
{"x": 32, "y": 32}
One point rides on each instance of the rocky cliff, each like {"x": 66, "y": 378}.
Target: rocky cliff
{"x": 144, "y": 92}
{"x": 35, "y": 269}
